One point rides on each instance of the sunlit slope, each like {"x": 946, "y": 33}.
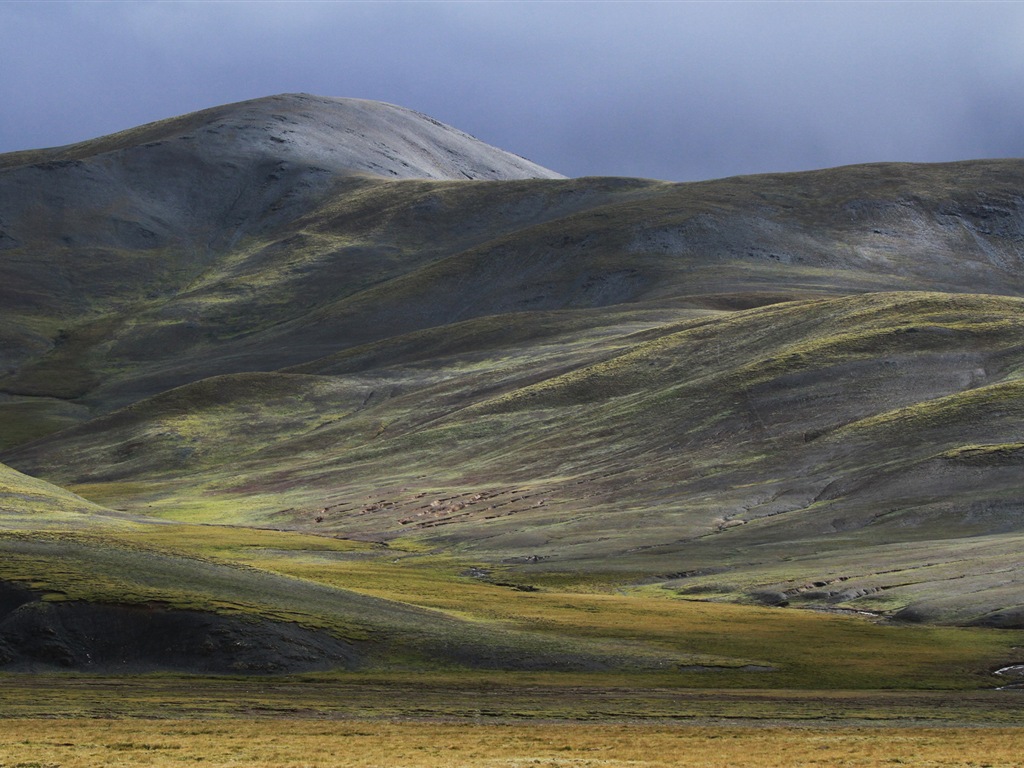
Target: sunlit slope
{"x": 715, "y": 441}
{"x": 86, "y": 588}
{"x": 138, "y": 596}
{"x": 30, "y": 504}
{"x": 228, "y": 602}
{"x": 234, "y": 600}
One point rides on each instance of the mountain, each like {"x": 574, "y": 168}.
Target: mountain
{"x": 342, "y": 320}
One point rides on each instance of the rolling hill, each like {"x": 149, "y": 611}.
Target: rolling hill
{"x": 330, "y": 334}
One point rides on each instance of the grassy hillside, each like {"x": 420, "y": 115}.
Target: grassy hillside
{"x": 357, "y": 260}
{"x": 524, "y": 423}
{"x": 294, "y": 603}
{"x": 640, "y": 447}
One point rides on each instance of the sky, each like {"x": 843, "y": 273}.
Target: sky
{"x": 672, "y": 90}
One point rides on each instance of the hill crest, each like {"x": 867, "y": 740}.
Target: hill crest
{"x": 341, "y": 135}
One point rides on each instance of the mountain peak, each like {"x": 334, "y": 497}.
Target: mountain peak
{"x": 340, "y": 135}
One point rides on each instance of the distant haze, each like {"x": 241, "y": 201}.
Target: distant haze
{"x": 676, "y": 91}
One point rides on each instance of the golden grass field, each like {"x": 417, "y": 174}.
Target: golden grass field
{"x": 257, "y": 743}
{"x": 74, "y": 721}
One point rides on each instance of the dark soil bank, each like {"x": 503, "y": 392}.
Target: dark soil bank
{"x": 37, "y": 635}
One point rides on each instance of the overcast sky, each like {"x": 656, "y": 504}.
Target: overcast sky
{"x": 672, "y": 90}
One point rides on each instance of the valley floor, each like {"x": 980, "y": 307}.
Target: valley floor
{"x": 77, "y": 743}
{"x": 427, "y": 720}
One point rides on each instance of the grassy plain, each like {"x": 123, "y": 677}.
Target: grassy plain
{"x": 416, "y": 720}
{"x": 260, "y": 743}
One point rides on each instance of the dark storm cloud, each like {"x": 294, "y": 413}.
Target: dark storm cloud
{"x": 669, "y": 90}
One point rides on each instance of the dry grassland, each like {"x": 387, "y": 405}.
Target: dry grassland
{"x": 337, "y": 744}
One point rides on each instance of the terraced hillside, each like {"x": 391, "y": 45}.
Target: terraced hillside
{"x": 255, "y": 356}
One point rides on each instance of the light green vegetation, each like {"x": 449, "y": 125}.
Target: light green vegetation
{"x": 715, "y": 642}
{"x": 28, "y": 504}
